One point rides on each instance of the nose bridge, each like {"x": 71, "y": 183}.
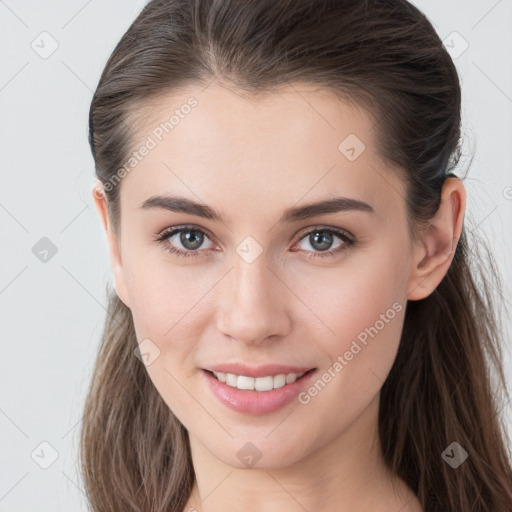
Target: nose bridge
{"x": 254, "y": 306}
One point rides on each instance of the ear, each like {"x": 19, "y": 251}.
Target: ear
{"x": 435, "y": 247}
{"x": 100, "y": 201}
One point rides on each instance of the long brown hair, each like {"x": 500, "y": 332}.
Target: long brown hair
{"x": 386, "y": 56}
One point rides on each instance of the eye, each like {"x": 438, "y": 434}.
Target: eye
{"x": 190, "y": 238}
{"x": 321, "y": 239}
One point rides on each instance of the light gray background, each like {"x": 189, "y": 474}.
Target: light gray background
{"x": 52, "y": 313}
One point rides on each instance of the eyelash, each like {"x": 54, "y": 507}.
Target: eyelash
{"x": 349, "y": 243}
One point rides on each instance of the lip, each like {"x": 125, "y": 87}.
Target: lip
{"x": 257, "y": 402}
{"x": 257, "y": 371}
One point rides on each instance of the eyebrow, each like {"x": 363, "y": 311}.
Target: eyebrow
{"x": 294, "y": 214}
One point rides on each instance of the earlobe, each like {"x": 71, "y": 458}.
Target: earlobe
{"x": 112, "y": 242}
{"x": 434, "y": 251}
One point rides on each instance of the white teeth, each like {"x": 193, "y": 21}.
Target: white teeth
{"x": 264, "y": 383}
{"x": 244, "y": 382}
{"x": 290, "y": 378}
{"x": 259, "y": 383}
{"x": 279, "y": 380}
{"x": 231, "y": 379}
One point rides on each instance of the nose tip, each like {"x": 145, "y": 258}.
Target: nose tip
{"x": 255, "y": 310}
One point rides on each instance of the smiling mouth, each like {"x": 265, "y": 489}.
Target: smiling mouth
{"x": 267, "y": 383}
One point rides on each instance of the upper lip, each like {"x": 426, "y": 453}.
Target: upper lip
{"x": 257, "y": 371}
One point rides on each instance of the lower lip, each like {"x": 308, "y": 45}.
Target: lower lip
{"x": 257, "y": 402}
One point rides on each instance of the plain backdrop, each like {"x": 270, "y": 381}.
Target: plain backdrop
{"x": 52, "y": 311}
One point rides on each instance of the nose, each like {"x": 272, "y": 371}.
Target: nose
{"x": 254, "y": 303}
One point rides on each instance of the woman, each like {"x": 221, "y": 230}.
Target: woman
{"x": 296, "y": 324}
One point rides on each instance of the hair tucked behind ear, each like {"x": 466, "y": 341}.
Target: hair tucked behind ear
{"x": 385, "y": 56}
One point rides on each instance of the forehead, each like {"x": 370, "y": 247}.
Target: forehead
{"x": 220, "y": 145}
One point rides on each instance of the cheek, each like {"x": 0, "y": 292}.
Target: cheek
{"x": 167, "y": 302}
{"x": 361, "y": 305}
{"x": 357, "y": 294}
{"x": 168, "y": 310}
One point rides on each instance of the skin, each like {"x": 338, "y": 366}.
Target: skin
{"x": 250, "y": 159}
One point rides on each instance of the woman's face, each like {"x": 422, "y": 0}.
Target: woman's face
{"x": 274, "y": 285}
